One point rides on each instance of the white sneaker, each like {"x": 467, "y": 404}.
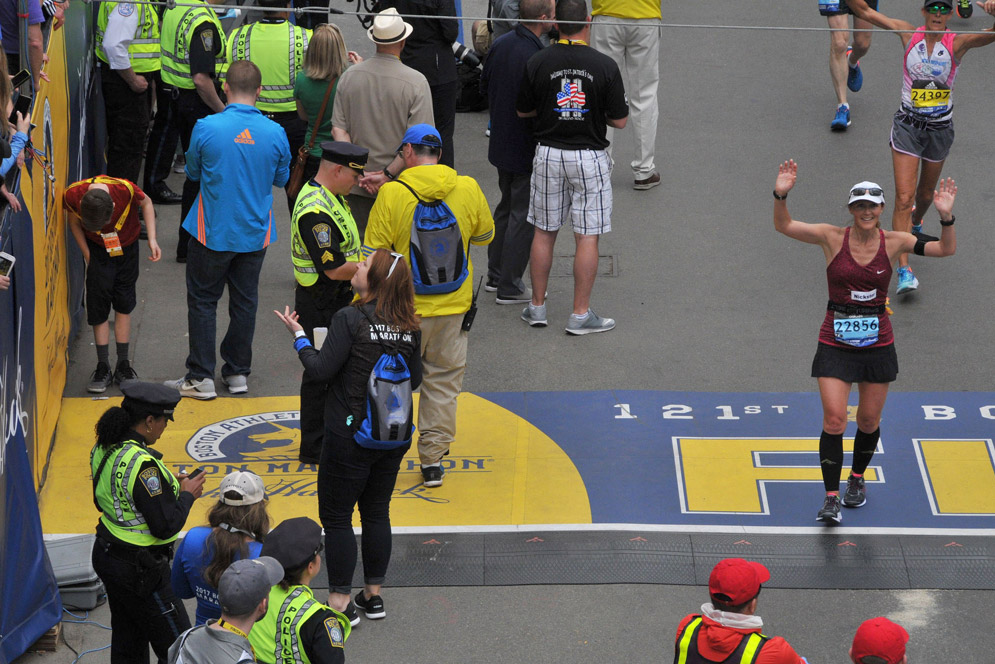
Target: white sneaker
{"x": 197, "y": 389}
{"x": 236, "y": 383}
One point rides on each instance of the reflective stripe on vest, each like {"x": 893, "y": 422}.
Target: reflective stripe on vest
{"x": 115, "y": 492}
{"x": 143, "y": 51}
{"x": 264, "y": 44}
{"x": 276, "y": 637}
{"x": 178, "y": 25}
{"x": 686, "y": 648}
{"x": 315, "y": 198}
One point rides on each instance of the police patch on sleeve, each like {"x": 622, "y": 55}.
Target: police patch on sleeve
{"x": 334, "y": 630}
{"x": 322, "y": 235}
{"x": 151, "y": 482}
{"x": 126, "y": 9}
{"x": 207, "y": 38}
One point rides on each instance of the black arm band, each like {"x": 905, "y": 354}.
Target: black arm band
{"x": 920, "y": 248}
{"x": 948, "y": 223}
{"x": 780, "y": 198}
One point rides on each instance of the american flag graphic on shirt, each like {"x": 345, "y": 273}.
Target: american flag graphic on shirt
{"x": 571, "y": 98}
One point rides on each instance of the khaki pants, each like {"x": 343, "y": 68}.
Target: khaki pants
{"x": 443, "y": 355}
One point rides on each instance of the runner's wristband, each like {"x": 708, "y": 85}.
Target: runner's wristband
{"x": 948, "y": 223}
{"x": 780, "y": 198}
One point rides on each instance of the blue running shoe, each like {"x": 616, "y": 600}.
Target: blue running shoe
{"x": 854, "y": 77}
{"x": 842, "y": 119}
{"x": 907, "y": 281}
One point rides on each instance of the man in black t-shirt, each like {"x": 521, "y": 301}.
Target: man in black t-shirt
{"x": 575, "y": 93}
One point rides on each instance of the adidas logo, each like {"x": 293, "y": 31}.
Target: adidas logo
{"x": 245, "y": 137}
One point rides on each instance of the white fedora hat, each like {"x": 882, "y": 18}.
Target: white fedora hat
{"x": 389, "y": 28}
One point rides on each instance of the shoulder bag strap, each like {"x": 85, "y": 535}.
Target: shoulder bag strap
{"x": 321, "y": 113}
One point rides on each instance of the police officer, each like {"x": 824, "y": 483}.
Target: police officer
{"x": 277, "y": 47}
{"x": 127, "y": 47}
{"x": 325, "y": 249}
{"x": 309, "y": 631}
{"x": 193, "y": 52}
{"x": 144, "y": 507}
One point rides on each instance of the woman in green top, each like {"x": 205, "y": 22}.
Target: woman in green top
{"x": 324, "y": 62}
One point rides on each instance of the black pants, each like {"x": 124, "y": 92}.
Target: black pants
{"x": 144, "y": 609}
{"x": 189, "y": 109}
{"x": 349, "y": 474}
{"x": 508, "y": 254}
{"x": 296, "y": 129}
{"x": 314, "y": 311}
{"x": 164, "y": 137}
{"x": 127, "y": 114}
{"x": 444, "y": 110}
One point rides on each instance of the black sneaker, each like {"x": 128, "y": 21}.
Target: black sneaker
{"x": 830, "y": 512}
{"x": 491, "y": 285}
{"x": 372, "y": 607}
{"x": 854, "y": 496}
{"x": 100, "y": 379}
{"x": 964, "y": 8}
{"x": 432, "y": 475}
{"x": 351, "y": 613}
{"x": 124, "y": 372}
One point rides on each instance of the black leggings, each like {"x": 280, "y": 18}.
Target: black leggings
{"x": 349, "y": 474}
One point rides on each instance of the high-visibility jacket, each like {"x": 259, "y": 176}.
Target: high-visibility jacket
{"x": 178, "y": 25}
{"x": 277, "y": 638}
{"x": 686, "y": 648}
{"x": 114, "y": 491}
{"x": 315, "y": 198}
{"x": 278, "y": 50}
{"x": 143, "y": 51}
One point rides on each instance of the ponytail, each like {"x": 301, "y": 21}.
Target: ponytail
{"x": 112, "y": 426}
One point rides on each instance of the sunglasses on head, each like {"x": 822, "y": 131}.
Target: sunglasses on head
{"x": 874, "y": 191}
{"x": 938, "y": 9}
{"x": 397, "y": 257}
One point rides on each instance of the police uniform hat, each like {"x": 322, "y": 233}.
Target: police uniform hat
{"x": 347, "y": 154}
{"x": 295, "y": 542}
{"x": 141, "y": 398}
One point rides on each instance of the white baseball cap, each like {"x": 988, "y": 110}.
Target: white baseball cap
{"x": 241, "y": 488}
{"x": 866, "y": 191}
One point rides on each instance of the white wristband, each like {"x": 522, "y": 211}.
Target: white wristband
{"x": 299, "y": 333}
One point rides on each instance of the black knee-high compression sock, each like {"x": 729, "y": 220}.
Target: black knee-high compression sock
{"x": 831, "y": 459}
{"x": 863, "y": 449}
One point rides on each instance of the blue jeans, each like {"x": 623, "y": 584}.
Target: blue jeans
{"x": 207, "y": 274}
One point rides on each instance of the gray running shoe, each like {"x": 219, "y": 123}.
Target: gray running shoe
{"x": 197, "y": 389}
{"x": 590, "y": 324}
{"x": 830, "y": 512}
{"x": 236, "y": 383}
{"x": 534, "y": 316}
{"x": 100, "y": 379}
{"x": 854, "y": 496}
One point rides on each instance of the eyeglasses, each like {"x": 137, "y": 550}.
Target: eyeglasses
{"x": 397, "y": 257}
{"x": 861, "y": 191}
{"x": 938, "y": 9}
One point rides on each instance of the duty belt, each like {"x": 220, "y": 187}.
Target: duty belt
{"x": 130, "y": 552}
{"x": 856, "y": 309}
{"x": 905, "y": 116}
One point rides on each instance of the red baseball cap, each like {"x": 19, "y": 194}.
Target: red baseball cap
{"x": 881, "y": 638}
{"x": 737, "y": 579}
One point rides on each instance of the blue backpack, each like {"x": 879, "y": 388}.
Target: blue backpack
{"x": 438, "y": 260}
{"x": 388, "y": 423}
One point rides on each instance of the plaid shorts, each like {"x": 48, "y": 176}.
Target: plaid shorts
{"x": 572, "y": 185}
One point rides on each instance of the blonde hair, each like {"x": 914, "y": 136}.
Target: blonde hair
{"x": 6, "y": 94}
{"x": 326, "y": 56}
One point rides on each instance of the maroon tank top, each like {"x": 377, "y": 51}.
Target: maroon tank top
{"x": 852, "y": 284}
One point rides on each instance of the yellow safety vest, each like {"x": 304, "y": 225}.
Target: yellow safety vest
{"x": 686, "y": 650}
{"x": 277, "y": 638}
{"x": 278, "y": 50}
{"x": 178, "y": 25}
{"x": 315, "y": 198}
{"x": 143, "y": 51}
{"x": 115, "y": 489}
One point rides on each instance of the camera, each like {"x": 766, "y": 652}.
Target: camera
{"x": 466, "y": 55}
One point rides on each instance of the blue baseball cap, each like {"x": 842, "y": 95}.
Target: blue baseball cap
{"x": 422, "y": 134}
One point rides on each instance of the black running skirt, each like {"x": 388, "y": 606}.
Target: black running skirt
{"x": 858, "y": 365}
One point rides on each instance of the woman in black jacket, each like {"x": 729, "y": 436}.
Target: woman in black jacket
{"x": 382, "y": 321}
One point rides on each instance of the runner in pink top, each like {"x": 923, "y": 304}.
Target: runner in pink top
{"x": 855, "y": 342}
{"x": 922, "y": 130}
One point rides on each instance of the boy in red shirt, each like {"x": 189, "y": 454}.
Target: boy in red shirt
{"x": 729, "y": 625}
{"x": 102, "y": 214}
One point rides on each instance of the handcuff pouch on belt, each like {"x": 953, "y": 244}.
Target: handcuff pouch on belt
{"x": 856, "y": 325}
